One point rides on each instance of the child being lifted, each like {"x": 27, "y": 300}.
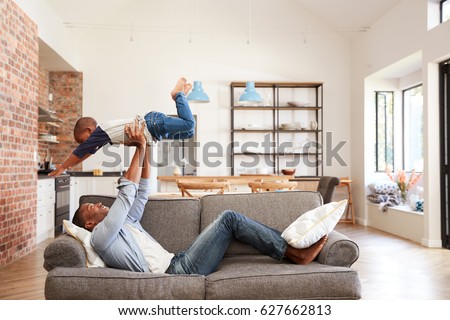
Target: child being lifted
{"x": 92, "y": 137}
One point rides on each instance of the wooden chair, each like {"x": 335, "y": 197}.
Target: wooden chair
{"x": 261, "y": 186}
{"x": 205, "y": 185}
{"x": 345, "y": 182}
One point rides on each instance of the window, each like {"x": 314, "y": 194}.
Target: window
{"x": 413, "y": 129}
{"x": 384, "y": 124}
{"x": 445, "y": 10}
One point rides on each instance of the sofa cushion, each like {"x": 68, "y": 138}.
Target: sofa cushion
{"x": 246, "y": 277}
{"x": 311, "y": 226}
{"x": 173, "y": 222}
{"x": 113, "y": 284}
{"x": 274, "y": 209}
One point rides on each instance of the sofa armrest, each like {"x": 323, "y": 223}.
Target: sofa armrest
{"x": 64, "y": 251}
{"x": 339, "y": 251}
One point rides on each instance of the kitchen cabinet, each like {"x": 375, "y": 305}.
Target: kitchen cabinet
{"x": 285, "y": 130}
{"x": 45, "y": 213}
{"x": 105, "y": 186}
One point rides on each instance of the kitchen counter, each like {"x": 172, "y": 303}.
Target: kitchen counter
{"x": 43, "y": 176}
{"x": 91, "y": 174}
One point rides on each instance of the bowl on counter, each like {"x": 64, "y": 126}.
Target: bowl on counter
{"x": 288, "y": 171}
{"x": 262, "y": 170}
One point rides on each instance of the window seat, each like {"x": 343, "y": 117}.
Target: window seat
{"x": 398, "y": 220}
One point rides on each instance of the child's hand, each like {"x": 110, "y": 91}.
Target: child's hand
{"x": 135, "y": 132}
{"x": 57, "y": 171}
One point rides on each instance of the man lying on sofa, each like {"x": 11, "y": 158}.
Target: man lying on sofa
{"x": 122, "y": 243}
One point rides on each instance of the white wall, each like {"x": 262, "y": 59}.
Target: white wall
{"x": 124, "y": 78}
{"x": 386, "y": 43}
{"x": 51, "y": 29}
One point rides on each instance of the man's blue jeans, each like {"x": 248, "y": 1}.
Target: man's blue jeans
{"x": 207, "y": 251}
{"x": 162, "y": 126}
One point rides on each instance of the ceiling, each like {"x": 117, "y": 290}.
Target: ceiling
{"x": 349, "y": 17}
{"x": 342, "y": 15}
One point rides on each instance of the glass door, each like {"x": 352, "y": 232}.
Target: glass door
{"x": 444, "y": 92}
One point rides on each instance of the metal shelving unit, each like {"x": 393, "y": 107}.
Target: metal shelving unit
{"x": 273, "y": 111}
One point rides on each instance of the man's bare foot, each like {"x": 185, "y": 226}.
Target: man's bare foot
{"x": 179, "y": 87}
{"x": 307, "y": 255}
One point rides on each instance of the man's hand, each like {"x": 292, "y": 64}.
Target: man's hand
{"x": 136, "y": 134}
{"x": 59, "y": 169}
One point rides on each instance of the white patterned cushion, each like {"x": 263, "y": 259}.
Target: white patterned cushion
{"x": 384, "y": 187}
{"x": 311, "y": 226}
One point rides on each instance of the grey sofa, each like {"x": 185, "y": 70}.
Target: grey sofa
{"x": 244, "y": 272}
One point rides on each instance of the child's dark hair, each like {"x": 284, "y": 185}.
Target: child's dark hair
{"x": 82, "y": 124}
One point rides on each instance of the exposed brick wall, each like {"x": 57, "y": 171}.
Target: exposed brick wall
{"x": 18, "y": 144}
{"x": 67, "y": 90}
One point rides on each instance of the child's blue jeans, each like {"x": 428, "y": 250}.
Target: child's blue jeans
{"x": 162, "y": 126}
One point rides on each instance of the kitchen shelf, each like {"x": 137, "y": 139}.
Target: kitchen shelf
{"x": 50, "y": 125}
{"x": 283, "y": 102}
{"x": 49, "y": 141}
{"x": 48, "y": 116}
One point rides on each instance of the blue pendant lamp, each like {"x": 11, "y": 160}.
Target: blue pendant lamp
{"x": 250, "y": 94}
{"x": 197, "y": 94}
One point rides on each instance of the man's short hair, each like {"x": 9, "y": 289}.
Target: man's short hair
{"x": 78, "y": 218}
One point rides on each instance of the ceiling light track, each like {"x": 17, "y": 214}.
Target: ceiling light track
{"x": 249, "y": 33}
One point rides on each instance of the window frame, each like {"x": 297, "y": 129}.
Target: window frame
{"x": 442, "y": 3}
{"x": 404, "y": 126}
{"x": 392, "y": 138}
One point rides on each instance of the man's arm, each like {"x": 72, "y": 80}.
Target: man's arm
{"x": 146, "y": 168}
{"x": 137, "y": 209}
{"x": 106, "y": 231}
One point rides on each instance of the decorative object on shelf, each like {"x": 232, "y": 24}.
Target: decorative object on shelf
{"x": 290, "y": 126}
{"x": 197, "y": 94}
{"x": 250, "y": 94}
{"x": 298, "y": 104}
{"x": 419, "y": 205}
{"x": 313, "y": 125}
{"x": 403, "y": 182}
{"x": 413, "y": 201}
{"x": 253, "y": 127}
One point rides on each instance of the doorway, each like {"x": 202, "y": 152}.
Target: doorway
{"x": 444, "y": 123}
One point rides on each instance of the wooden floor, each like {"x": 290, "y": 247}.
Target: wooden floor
{"x": 389, "y": 268}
